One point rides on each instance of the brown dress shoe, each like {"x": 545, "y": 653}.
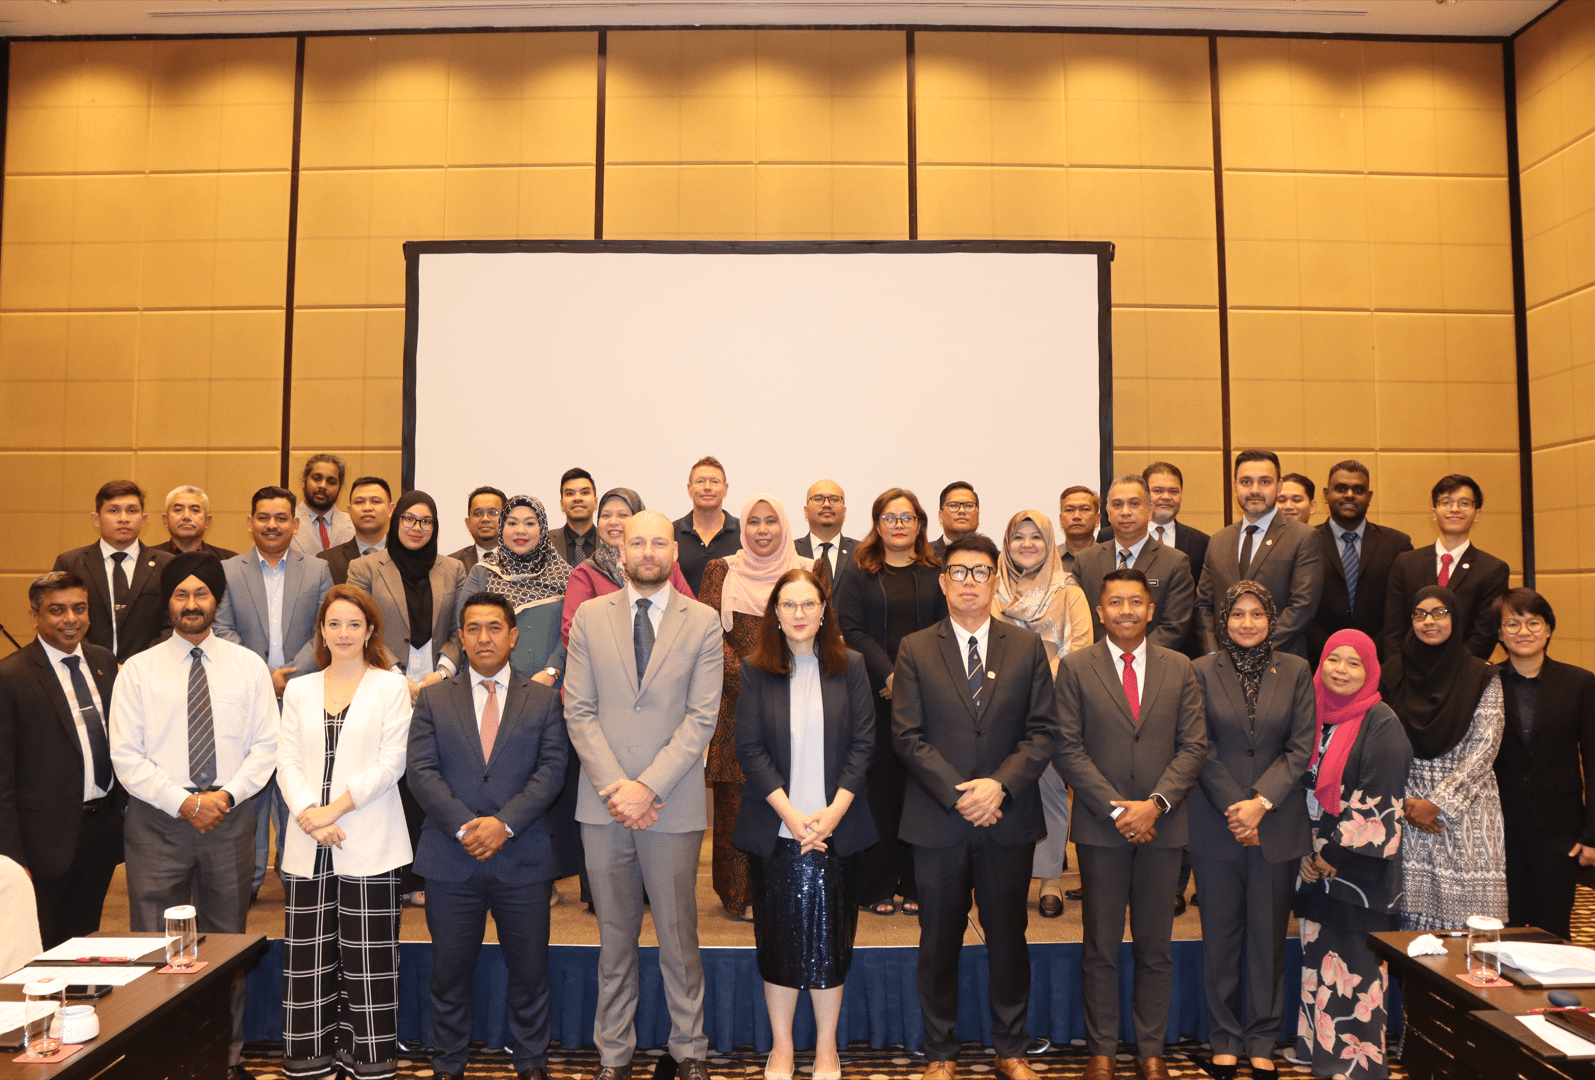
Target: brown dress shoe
{"x": 1152, "y": 1068}
{"x": 1100, "y": 1067}
{"x": 1014, "y": 1069}
{"x": 940, "y": 1070}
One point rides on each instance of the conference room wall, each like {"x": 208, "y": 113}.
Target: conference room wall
{"x": 1556, "y": 153}
{"x": 753, "y": 134}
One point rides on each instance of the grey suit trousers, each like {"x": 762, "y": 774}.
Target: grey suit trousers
{"x": 1052, "y": 852}
{"x": 169, "y": 863}
{"x": 1142, "y": 877}
{"x": 621, "y": 863}
{"x": 1245, "y": 916}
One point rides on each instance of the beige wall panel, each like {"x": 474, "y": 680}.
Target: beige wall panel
{"x": 646, "y": 202}
{"x": 348, "y": 343}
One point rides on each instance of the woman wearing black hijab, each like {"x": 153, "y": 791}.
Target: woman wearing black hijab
{"x": 414, "y": 588}
{"x": 1449, "y": 702}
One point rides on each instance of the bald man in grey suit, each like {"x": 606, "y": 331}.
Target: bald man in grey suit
{"x": 642, "y": 695}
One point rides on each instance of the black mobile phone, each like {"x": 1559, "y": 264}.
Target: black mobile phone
{"x": 87, "y": 991}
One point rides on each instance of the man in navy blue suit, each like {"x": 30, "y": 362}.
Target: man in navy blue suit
{"x": 486, "y": 761}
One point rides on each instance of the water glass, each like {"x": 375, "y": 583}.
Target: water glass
{"x": 182, "y": 938}
{"x": 41, "y": 1031}
{"x": 1484, "y": 965}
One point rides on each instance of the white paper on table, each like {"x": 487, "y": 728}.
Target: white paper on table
{"x": 1542, "y": 958}
{"x": 13, "y": 1014}
{"x": 1567, "y": 1042}
{"x": 77, "y": 974}
{"x": 77, "y": 948}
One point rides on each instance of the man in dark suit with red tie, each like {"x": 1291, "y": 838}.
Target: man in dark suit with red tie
{"x": 127, "y": 612}
{"x": 1357, "y": 557}
{"x": 60, "y": 803}
{"x": 973, "y": 718}
{"x": 1474, "y": 575}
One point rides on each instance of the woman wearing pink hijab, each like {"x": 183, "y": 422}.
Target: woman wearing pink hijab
{"x": 1351, "y": 885}
{"x": 739, "y": 587}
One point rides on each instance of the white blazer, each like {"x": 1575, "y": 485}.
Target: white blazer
{"x": 369, "y": 762}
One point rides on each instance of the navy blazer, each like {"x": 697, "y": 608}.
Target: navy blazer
{"x": 943, "y": 740}
{"x": 764, "y": 747}
{"x": 524, "y": 776}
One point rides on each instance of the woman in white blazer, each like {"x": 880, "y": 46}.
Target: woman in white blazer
{"x": 340, "y": 753}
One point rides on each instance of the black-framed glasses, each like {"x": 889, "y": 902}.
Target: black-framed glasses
{"x": 959, "y": 507}
{"x": 1437, "y": 615}
{"x": 827, "y": 500}
{"x": 410, "y": 521}
{"x": 1533, "y": 626}
{"x": 981, "y": 574}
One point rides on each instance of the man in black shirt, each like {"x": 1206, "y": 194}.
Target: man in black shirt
{"x": 706, "y": 531}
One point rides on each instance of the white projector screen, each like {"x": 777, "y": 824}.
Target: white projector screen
{"x": 874, "y": 365}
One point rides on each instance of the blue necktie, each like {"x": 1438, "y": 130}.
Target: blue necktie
{"x": 1348, "y": 559}
{"x": 93, "y": 723}
{"x": 977, "y": 670}
{"x": 642, "y": 637}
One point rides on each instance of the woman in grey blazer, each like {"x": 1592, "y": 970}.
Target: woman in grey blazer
{"x": 1249, "y": 825}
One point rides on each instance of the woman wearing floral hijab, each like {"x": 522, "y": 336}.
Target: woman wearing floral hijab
{"x": 738, "y": 586}
{"x": 1248, "y": 821}
{"x": 1035, "y": 592}
{"x": 1350, "y": 886}
{"x": 526, "y": 569}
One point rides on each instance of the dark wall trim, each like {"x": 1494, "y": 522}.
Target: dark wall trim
{"x": 1226, "y": 440}
{"x": 598, "y": 154}
{"x": 293, "y": 259}
{"x": 5, "y": 111}
{"x": 1520, "y": 317}
{"x": 1526, "y": 27}
{"x": 913, "y": 142}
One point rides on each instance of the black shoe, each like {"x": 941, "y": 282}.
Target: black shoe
{"x": 238, "y": 1072}
{"x": 1194, "y": 901}
{"x": 665, "y": 1068}
{"x": 1051, "y": 906}
{"x": 1179, "y": 904}
{"x": 536, "y": 1072}
{"x": 613, "y": 1072}
{"x": 1219, "y": 1072}
{"x": 448, "y": 1076}
{"x": 694, "y": 1069}
{"x": 1074, "y": 894}
{"x": 1039, "y": 1046}
{"x": 410, "y": 1047}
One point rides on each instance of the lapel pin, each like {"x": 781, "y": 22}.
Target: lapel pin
{"x": 1464, "y": 566}
{"x": 1268, "y": 543}
{"x": 991, "y": 674}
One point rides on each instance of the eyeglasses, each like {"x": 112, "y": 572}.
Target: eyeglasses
{"x": 981, "y": 574}
{"x": 410, "y": 521}
{"x": 792, "y": 607}
{"x": 1533, "y": 626}
{"x": 959, "y": 507}
{"x": 1455, "y": 504}
{"x": 485, "y": 512}
{"x": 1437, "y": 615}
{"x": 826, "y": 500}
{"x": 899, "y": 519}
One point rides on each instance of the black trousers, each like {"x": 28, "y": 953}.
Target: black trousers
{"x": 888, "y": 867}
{"x": 70, "y": 905}
{"x": 1142, "y": 878}
{"x": 998, "y": 876}
{"x": 1540, "y": 878}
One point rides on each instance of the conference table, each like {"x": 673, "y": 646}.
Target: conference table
{"x": 157, "y": 1026}
{"x": 1458, "y": 1031}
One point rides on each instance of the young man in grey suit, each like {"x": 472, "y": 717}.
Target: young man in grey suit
{"x": 973, "y": 718}
{"x": 1131, "y": 741}
{"x": 274, "y": 593}
{"x": 1283, "y": 556}
{"x": 487, "y": 758}
{"x": 825, "y": 508}
{"x": 1167, "y": 571}
{"x": 642, "y": 694}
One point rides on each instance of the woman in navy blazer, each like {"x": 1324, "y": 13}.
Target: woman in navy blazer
{"x": 805, "y": 732}
{"x": 1249, "y": 826}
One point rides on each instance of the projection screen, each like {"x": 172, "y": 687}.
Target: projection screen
{"x": 875, "y": 365}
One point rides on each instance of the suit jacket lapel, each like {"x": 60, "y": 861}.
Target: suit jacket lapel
{"x": 393, "y": 584}
{"x": 293, "y": 580}
{"x": 1266, "y": 694}
{"x": 93, "y": 571}
{"x": 52, "y": 690}
{"x": 620, "y": 624}
{"x": 255, "y": 585}
{"x": 465, "y": 715}
{"x": 142, "y": 569}
{"x": 1154, "y": 678}
{"x": 953, "y": 655}
{"x": 1230, "y": 679}
{"x": 670, "y": 623}
{"x": 833, "y": 701}
{"x": 1265, "y": 544}
{"x": 511, "y": 706}
{"x": 1459, "y": 569}
{"x": 1107, "y": 671}
{"x": 996, "y": 646}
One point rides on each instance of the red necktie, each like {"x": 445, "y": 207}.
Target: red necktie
{"x": 489, "y": 718}
{"x": 326, "y": 541}
{"x": 1132, "y": 693}
{"x": 1445, "y": 570}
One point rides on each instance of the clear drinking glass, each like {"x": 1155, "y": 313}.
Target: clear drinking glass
{"x": 182, "y": 939}
{"x": 41, "y": 1033}
{"x": 1483, "y": 965}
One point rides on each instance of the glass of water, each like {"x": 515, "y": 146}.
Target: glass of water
{"x": 1484, "y": 964}
{"x": 182, "y": 939}
{"x": 41, "y": 1033}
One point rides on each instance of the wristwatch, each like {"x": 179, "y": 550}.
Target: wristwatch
{"x": 551, "y": 672}
{"x": 1264, "y": 800}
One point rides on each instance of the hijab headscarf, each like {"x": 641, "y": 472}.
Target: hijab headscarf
{"x": 415, "y": 567}
{"x": 1250, "y": 661}
{"x": 1435, "y": 688}
{"x": 606, "y": 557}
{"x": 537, "y": 575}
{"x": 750, "y": 577}
{"x": 1034, "y": 599}
{"x": 1335, "y": 709}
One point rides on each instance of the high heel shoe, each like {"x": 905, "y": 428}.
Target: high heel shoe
{"x": 1220, "y": 1072}
{"x": 768, "y": 1075}
{"x": 834, "y": 1074}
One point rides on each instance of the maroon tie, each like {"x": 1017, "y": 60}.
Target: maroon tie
{"x": 326, "y": 541}
{"x": 1132, "y": 693}
{"x": 1445, "y": 569}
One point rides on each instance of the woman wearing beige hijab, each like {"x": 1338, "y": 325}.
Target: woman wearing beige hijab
{"x": 1035, "y": 592}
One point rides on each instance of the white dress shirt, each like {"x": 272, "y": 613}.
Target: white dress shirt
{"x": 483, "y": 552}
{"x": 107, "y": 552}
{"x": 656, "y": 604}
{"x": 1167, "y": 539}
{"x": 63, "y": 673}
{"x": 830, "y": 556}
{"x": 982, "y": 636}
{"x": 149, "y": 721}
{"x": 276, "y": 578}
{"x": 1262, "y": 524}
{"x": 1456, "y": 555}
{"x": 1134, "y": 550}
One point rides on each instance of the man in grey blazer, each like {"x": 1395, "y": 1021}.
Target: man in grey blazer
{"x": 825, "y": 508}
{"x": 274, "y": 592}
{"x": 1265, "y": 546}
{"x": 642, "y": 695}
{"x": 1167, "y": 571}
{"x": 1131, "y": 742}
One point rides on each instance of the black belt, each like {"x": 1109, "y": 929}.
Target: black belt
{"x": 91, "y": 805}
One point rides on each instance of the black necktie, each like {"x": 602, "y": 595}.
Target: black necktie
{"x": 825, "y": 553}
{"x": 201, "y": 725}
{"x": 977, "y": 670}
{"x": 93, "y": 723}
{"x": 119, "y": 587}
{"x": 1246, "y": 549}
{"x": 642, "y": 637}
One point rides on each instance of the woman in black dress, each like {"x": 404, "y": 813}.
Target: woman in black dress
{"x": 890, "y": 590}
